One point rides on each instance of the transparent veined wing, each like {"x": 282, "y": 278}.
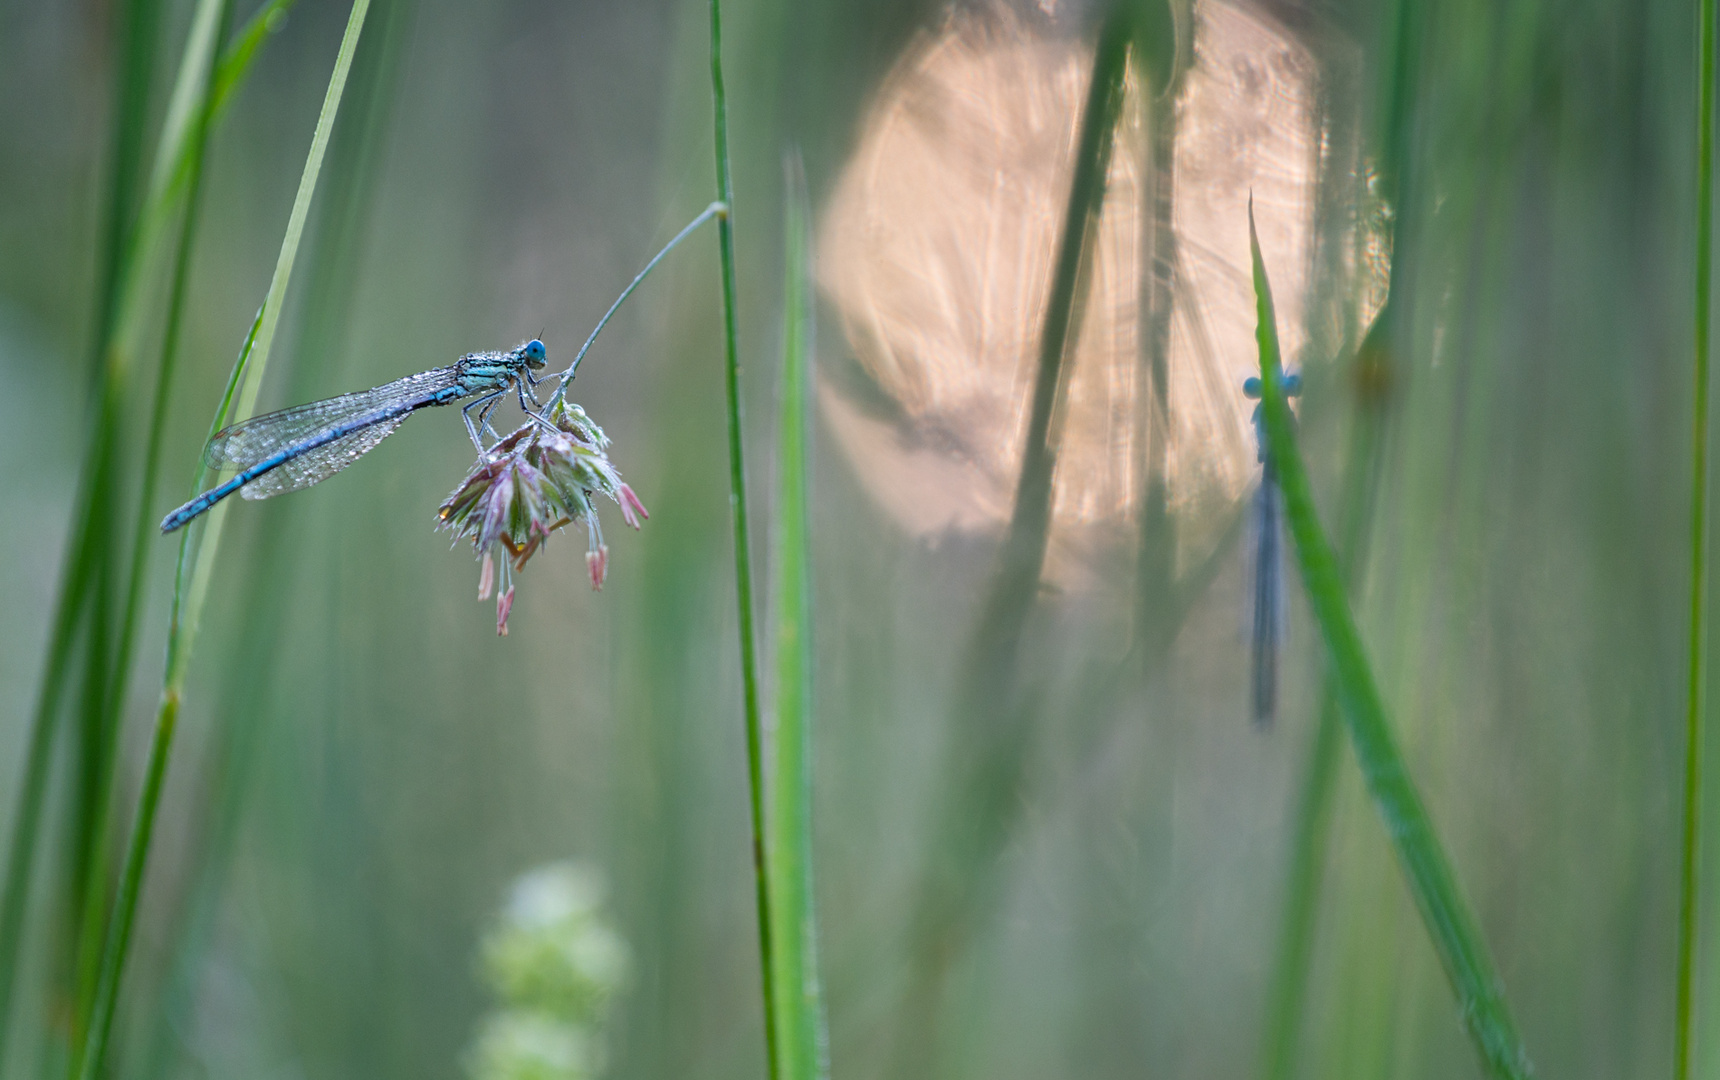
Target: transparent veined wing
{"x": 247, "y": 443}
{"x": 317, "y": 465}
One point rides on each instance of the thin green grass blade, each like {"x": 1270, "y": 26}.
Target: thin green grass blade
{"x": 1690, "y": 865}
{"x": 1313, "y": 821}
{"x": 173, "y": 163}
{"x": 237, "y": 404}
{"x": 800, "y": 1014}
{"x": 236, "y": 61}
{"x": 1396, "y": 90}
{"x": 1427, "y": 871}
{"x": 186, "y": 132}
{"x": 742, "y": 533}
{"x": 205, "y": 84}
{"x": 86, "y": 549}
{"x": 163, "y": 198}
{"x": 327, "y": 274}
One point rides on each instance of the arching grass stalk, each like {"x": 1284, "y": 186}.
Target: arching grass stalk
{"x": 1690, "y": 863}
{"x": 1427, "y": 871}
{"x": 742, "y": 541}
{"x": 188, "y": 598}
{"x": 166, "y": 190}
{"x": 716, "y": 210}
{"x": 803, "y": 1050}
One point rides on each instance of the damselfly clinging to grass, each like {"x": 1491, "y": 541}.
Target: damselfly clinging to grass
{"x": 1266, "y": 605}
{"x": 297, "y": 447}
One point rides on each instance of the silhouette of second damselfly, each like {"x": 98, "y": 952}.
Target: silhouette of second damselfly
{"x": 297, "y": 447}
{"x": 1266, "y": 605}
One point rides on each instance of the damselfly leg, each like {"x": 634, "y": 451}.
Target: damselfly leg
{"x": 484, "y": 404}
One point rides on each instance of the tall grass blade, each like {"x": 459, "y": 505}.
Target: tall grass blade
{"x": 248, "y": 681}
{"x": 1312, "y": 829}
{"x": 742, "y": 541}
{"x": 800, "y": 1015}
{"x": 1694, "y": 741}
{"x": 166, "y": 188}
{"x": 1446, "y": 914}
{"x": 85, "y": 552}
{"x": 187, "y": 606}
{"x": 184, "y": 135}
{"x": 173, "y": 164}
{"x": 1373, "y": 375}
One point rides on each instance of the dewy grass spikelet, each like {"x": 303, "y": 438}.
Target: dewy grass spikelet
{"x": 540, "y": 477}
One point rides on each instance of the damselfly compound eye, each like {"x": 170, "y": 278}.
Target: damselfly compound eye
{"x": 536, "y": 355}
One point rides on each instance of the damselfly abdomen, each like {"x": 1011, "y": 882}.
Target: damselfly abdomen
{"x": 1266, "y": 618}
{"x": 297, "y": 447}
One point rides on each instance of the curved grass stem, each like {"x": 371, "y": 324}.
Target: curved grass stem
{"x": 716, "y": 209}
{"x": 197, "y": 77}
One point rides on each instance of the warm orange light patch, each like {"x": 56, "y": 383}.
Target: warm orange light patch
{"x": 937, "y": 244}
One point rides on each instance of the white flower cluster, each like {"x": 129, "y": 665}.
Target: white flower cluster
{"x": 555, "y": 964}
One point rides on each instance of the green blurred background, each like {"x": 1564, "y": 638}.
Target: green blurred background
{"x": 365, "y": 766}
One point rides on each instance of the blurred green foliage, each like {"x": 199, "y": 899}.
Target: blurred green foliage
{"x": 554, "y": 963}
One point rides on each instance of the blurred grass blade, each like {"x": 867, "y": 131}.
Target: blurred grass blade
{"x": 187, "y": 606}
{"x": 173, "y": 164}
{"x": 185, "y": 133}
{"x": 1312, "y": 830}
{"x": 990, "y": 725}
{"x": 1428, "y": 873}
{"x": 327, "y": 274}
{"x": 121, "y": 284}
{"x": 800, "y": 1014}
{"x": 1396, "y": 90}
{"x": 85, "y": 553}
{"x": 1694, "y": 738}
{"x": 742, "y": 541}
{"x": 179, "y": 170}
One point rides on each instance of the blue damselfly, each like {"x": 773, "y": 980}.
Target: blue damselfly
{"x": 295, "y": 448}
{"x": 1266, "y": 619}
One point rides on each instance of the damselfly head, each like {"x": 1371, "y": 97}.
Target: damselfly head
{"x": 535, "y": 354}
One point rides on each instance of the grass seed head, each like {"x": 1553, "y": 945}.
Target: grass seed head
{"x": 537, "y": 479}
